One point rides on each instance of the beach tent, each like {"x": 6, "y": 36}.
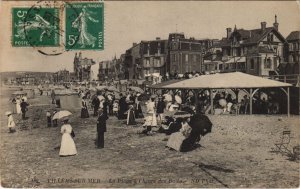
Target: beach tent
{"x": 234, "y": 80}
{"x": 69, "y": 99}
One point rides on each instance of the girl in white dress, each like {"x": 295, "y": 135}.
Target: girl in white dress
{"x": 67, "y": 146}
{"x": 10, "y": 122}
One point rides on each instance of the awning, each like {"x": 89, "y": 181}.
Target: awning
{"x": 224, "y": 81}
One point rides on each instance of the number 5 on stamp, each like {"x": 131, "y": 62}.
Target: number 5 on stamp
{"x": 84, "y": 26}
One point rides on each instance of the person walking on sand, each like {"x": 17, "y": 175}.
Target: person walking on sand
{"x": 101, "y": 128}
{"x": 18, "y": 106}
{"x": 160, "y": 108}
{"x": 24, "y": 108}
{"x": 67, "y": 146}
{"x": 130, "y": 116}
{"x": 48, "y": 115}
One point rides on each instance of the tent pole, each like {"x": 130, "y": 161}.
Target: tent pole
{"x": 196, "y": 93}
{"x": 251, "y": 98}
{"x": 211, "y": 102}
{"x": 288, "y": 101}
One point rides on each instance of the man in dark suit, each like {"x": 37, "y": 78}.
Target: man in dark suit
{"x": 24, "y": 108}
{"x": 96, "y": 104}
{"x": 101, "y": 128}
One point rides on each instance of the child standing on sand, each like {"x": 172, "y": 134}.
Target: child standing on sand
{"x": 48, "y": 115}
{"x": 10, "y": 122}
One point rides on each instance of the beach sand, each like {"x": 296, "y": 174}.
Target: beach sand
{"x": 237, "y": 153}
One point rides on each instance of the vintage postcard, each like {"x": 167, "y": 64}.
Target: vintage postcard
{"x": 149, "y": 94}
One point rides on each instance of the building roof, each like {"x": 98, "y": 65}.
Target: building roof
{"x": 225, "y": 81}
{"x": 250, "y": 36}
{"x": 294, "y": 35}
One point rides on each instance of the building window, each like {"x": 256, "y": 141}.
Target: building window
{"x": 186, "y": 58}
{"x": 252, "y": 64}
{"x": 290, "y": 46}
{"x": 194, "y": 58}
{"x": 268, "y": 63}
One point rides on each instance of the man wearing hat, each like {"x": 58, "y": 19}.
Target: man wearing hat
{"x": 101, "y": 128}
{"x": 24, "y": 108}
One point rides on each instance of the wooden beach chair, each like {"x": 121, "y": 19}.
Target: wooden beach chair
{"x": 282, "y": 145}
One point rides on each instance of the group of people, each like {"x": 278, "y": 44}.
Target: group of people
{"x": 20, "y": 105}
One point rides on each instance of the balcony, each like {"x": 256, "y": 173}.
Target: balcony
{"x": 147, "y": 65}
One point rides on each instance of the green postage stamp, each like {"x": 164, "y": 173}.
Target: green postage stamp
{"x": 84, "y": 26}
{"x": 37, "y": 27}
{"x": 66, "y": 25}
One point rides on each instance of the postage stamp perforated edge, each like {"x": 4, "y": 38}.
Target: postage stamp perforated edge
{"x": 25, "y": 42}
{"x": 100, "y": 36}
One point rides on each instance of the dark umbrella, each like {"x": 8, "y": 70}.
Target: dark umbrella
{"x": 201, "y": 124}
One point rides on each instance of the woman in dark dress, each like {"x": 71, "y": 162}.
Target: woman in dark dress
{"x": 138, "y": 109}
{"x": 130, "y": 116}
{"x": 84, "y": 109}
{"x": 122, "y": 107}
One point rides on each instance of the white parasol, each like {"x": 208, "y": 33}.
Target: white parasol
{"x": 178, "y": 99}
{"x": 8, "y": 113}
{"x": 61, "y": 114}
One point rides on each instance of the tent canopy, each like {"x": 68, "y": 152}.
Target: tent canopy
{"x": 232, "y": 80}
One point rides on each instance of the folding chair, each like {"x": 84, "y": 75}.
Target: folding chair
{"x": 282, "y": 145}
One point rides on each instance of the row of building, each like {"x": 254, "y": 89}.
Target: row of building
{"x": 260, "y": 51}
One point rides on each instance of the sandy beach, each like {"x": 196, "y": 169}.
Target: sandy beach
{"x": 237, "y": 153}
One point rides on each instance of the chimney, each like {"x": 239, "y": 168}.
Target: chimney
{"x": 134, "y": 44}
{"x": 275, "y": 24}
{"x": 157, "y": 38}
{"x": 229, "y": 31}
{"x": 263, "y": 26}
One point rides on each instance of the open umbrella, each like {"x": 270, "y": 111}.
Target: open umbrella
{"x": 178, "y": 99}
{"x": 19, "y": 93}
{"x": 181, "y": 114}
{"x": 222, "y": 102}
{"x": 136, "y": 89}
{"x": 8, "y": 113}
{"x": 61, "y": 114}
{"x": 201, "y": 124}
{"x": 113, "y": 89}
{"x": 101, "y": 87}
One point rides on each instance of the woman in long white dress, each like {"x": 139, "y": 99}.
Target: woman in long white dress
{"x": 151, "y": 112}
{"x": 67, "y": 146}
{"x": 18, "y": 106}
{"x": 176, "y": 139}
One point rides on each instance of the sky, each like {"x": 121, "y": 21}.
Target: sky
{"x": 132, "y": 21}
